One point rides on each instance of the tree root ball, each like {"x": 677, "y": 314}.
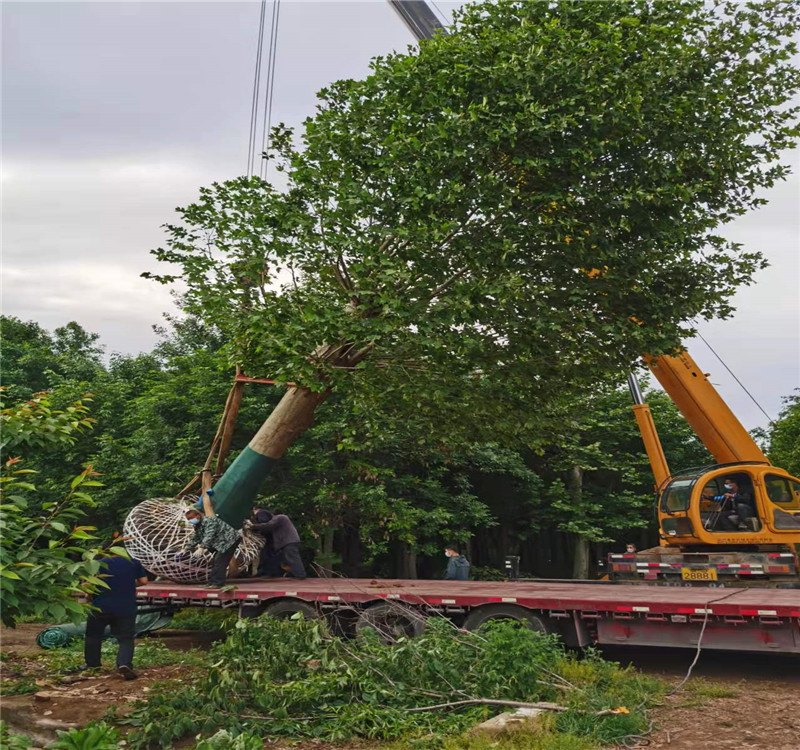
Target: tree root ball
{"x": 155, "y": 533}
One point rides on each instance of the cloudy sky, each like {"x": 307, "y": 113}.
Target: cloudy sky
{"x": 114, "y": 113}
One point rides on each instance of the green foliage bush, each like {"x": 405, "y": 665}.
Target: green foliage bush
{"x": 11, "y": 741}
{"x": 46, "y": 557}
{"x": 99, "y": 736}
{"x": 293, "y": 679}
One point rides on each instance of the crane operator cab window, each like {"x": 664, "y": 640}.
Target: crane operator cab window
{"x": 784, "y": 497}
{"x": 728, "y": 504}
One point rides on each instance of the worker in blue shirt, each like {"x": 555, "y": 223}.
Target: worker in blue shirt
{"x": 115, "y": 607}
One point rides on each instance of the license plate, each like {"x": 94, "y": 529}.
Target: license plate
{"x": 699, "y": 574}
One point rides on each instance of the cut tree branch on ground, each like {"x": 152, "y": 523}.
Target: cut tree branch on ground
{"x": 509, "y": 704}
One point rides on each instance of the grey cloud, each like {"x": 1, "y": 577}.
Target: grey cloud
{"x": 114, "y": 113}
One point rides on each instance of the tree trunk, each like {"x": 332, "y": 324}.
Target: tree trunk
{"x": 238, "y": 487}
{"x": 580, "y": 546}
{"x": 291, "y": 417}
{"x": 407, "y": 562}
{"x": 580, "y": 557}
{"x": 326, "y": 558}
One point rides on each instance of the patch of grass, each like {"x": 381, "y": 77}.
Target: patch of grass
{"x": 18, "y": 687}
{"x": 699, "y": 692}
{"x": 205, "y": 620}
{"x": 701, "y": 687}
{"x": 148, "y": 654}
{"x": 543, "y": 736}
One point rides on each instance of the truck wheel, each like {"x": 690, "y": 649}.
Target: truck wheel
{"x": 391, "y": 621}
{"x": 287, "y": 608}
{"x": 481, "y": 615}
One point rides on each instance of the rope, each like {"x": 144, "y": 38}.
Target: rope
{"x": 700, "y": 640}
{"x": 270, "y": 90}
{"x": 251, "y": 141}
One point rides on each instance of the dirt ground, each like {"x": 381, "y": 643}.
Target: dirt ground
{"x": 738, "y": 702}
{"x": 760, "y": 712}
{"x": 64, "y": 702}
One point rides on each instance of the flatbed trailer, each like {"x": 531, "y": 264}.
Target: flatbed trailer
{"x": 582, "y": 612}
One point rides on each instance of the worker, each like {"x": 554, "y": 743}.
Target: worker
{"x": 736, "y": 506}
{"x": 269, "y": 561}
{"x": 630, "y": 549}
{"x": 214, "y": 536}
{"x": 741, "y": 500}
{"x": 285, "y": 540}
{"x": 457, "y": 565}
{"x": 114, "y": 607}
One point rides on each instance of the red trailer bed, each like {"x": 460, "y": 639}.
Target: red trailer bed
{"x": 583, "y": 612}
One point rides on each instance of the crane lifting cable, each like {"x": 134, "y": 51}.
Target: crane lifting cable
{"x": 263, "y": 93}
{"x": 270, "y": 87}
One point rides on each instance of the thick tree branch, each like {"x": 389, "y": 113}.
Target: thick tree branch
{"x": 510, "y": 704}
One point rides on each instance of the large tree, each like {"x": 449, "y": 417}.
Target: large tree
{"x": 784, "y": 436}
{"x": 532, "y": 200}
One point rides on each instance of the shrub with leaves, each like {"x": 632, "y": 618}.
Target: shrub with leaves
{"x": 46, "y": 558}
{"x": 12, "y": 741}
{"x": 293, "y": 679}
{"x": 99, "y": 736}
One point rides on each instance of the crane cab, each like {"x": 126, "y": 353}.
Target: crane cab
{"x": 707, "y": 540}
{"x": 695, "y": 508}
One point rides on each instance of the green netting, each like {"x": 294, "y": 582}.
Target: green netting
{"x": 238, "y": 487}
{"x": 57, "y": 636}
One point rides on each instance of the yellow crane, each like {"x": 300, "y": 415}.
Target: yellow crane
{"x": 736, "y": 521}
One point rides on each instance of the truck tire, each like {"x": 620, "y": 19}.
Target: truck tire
{"x": 287, "y": 608}
{"x": 391, "y": 621}
{"x": 481, "y": 615}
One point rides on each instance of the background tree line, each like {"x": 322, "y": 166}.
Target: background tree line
{"x": 366, "y": 503}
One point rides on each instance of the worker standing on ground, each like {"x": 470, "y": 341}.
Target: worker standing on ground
{"x": 115, "y": 608}
{"x": 457, "y": 565}
{"x": 285, "y": 540}
{"x": 214, "y": 536}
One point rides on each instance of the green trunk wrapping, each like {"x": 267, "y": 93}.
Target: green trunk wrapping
{"x": 237, "y": 488}
{"x": 147, "y": 619}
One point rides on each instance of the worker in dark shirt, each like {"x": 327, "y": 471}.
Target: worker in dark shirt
{"x": 285, "y": 540}
{"x": 457, "y": 565}
{"x": 115, "y": 608}
{"x": 736, "y": 506}
{"x": 214, "y": 536}
{"x": 741, "y": 500}
{"x": 269, "y": 561}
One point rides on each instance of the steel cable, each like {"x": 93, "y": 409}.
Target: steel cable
{"x": 251, "y": 141}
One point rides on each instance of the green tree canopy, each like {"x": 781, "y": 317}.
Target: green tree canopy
{"x": 35, "y": 360}
{"x": 784, "y": 436}
{"x": 531, "y": 200}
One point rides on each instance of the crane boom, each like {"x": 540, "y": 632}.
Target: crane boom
{"x": 418, "y": 17}
{"x": 710, "y": 417}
